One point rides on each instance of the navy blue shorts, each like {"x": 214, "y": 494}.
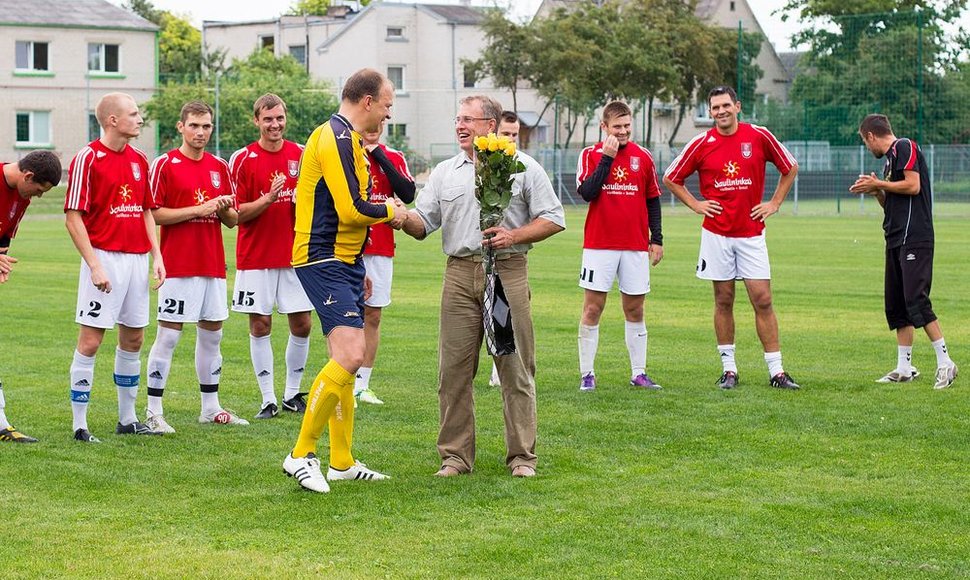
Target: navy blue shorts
{"x": 336, "y": 291}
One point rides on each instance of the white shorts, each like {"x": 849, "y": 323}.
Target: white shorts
{"x": 258, "y": 291}
{"x": 193, "y": 299}
{"x": 601, "y": 267}
{"x": 722, "y": 258}
{"x": 380, "y": 270}
{"x": 126, "y": 304}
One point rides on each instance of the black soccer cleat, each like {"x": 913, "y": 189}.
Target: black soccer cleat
{"x": 268, "y": 411}
{"x": 11, "y": 434}
{"x": 85, "y": 436}
{"x": 783, "y": 380}
{"x": 297, "y": 404}
{"x": 135, "y": 428}
{"x": 728, "y": 380}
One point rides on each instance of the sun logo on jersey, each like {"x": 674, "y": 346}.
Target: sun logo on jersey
{"x": 199, "y": 196}
{"x": 619, "y": 174}
{"x": 125, "y": 193}
{"x": 273, "y": 176}
{"x": 731, "y": 169}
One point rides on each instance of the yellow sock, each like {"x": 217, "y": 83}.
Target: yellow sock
{"x": 323, "y": 398}
{"x": 342, "y": 429}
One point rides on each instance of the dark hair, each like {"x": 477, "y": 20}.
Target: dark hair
{"x": 491, "y": 108}
{"x": 722, "y": 90}
{"x": 195, "y": 108}
{"x": 876, "y": 124}
{"x": 362, "y": 83}
{"x": 45, "y": 166}
{"x": 509, "y": 117}
{"x": 616, "y": 109}
{"x": 267, "y": 101}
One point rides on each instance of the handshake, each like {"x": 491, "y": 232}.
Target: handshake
{"x": 400, "y": 213}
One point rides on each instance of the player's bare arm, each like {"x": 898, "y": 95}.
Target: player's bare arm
{"x": 656, "y": 252}
{"x": 706, "y": 207}
{"x": 253, "y": 209}
{"x": 413, "y": 225}
{"x": 226, "y": 213}
{"x": 79, "y": 235}
{"x": 158, "y": 264}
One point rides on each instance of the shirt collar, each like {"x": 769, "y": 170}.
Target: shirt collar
{"x": 461, "y": 159}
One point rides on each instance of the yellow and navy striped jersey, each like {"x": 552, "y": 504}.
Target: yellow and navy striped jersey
{"x": 332, "y": 211}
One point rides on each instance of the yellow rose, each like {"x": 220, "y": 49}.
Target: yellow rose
{"x": 481, "y": 143}
{"x": 492, "y": 142}
{"x": 503, "y": 141}
{"x": 510, "y": 149}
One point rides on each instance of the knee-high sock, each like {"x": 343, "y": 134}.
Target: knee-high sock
{"x": 208, "y": 367}
{"x": 159, "y": 365}
{"x": 82, "y": 378}
{"x": 3, "y": 403}
{"x": 362, "y": 380}
{"x": 342, "y": 429}
{"x": 261, "y": 352}
{"x": 323, "y": 399}
{"x": 636, "y": 344}
{"x": 297, "y": 349}
{"x": 127, "y": 372}
{"x": 589, "y": 340}
{"x": 728, "y": 363}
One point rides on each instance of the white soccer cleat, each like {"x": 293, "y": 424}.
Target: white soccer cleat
{"x": 945, "y": 375}
{"x": 357, "y": 471}
{"x": 368, "y": 396}
{"x": 896, "y": 377}
{"x": 159, "y": 424}
{"x": 223, "y": 417}
{"x": 306, "y": 470}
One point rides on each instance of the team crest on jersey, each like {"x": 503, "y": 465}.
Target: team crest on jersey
{"x": 293, "y": 166}
{"x": 136, "y": 171}
{"x": 634, "y": 164}
{"x": 215, "y": 178}
{"x": 746, "y": 150}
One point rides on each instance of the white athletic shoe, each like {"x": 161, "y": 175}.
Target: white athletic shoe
{"x": 945, "y": 375}
{"x": 159, "y": 424}
{"x": 894, "y": 376}
{"x": 306, "y": 470}
{"x": 223, "y": 417}
{"x": 368, "y": 396}
{"x": 356, "y": 471}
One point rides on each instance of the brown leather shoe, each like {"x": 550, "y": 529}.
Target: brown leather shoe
{"x": 447, "y": 471}
{"x": 523, "y": 471}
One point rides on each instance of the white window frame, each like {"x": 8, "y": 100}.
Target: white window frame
{"x": 31, "y": 56}
{"x": 301, "y": 46}
{"x": 272, "y": 42}
{"x": 33, "y": 140}
{"x": 399, "y": 89}
{"x": 102, "y": 58}
{"x": 703, "y": 118}
{"x": 402, "y": 35}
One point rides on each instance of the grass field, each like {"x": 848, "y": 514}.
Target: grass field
{"x": 845, "y": 478}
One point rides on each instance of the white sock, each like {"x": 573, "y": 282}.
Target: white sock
{"x": 3, "y": 403}
{"x": 636, "y": 344}
{"x": 82, "y": 378}
{"x": 208, "y": 368}
{"x": 727, "y": 357}
{"x": 942, "y": 355}
{"x": 261, "y": 352}
{"x": 362, "y": 382}
{"x": 589, "y": 340}
{"x": 127, "y": 371}
{"x": 904, "y": 360}
{"x": 774, "y": 363}
{"x": 297, "y": 350}
{"x": 495, "y": 380}
{"x": 159, "y": 364}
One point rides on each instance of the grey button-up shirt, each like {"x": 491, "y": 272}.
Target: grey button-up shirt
{"x": 448, "y": 202}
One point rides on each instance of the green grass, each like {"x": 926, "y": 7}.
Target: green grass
{"x": 844, "y": 478}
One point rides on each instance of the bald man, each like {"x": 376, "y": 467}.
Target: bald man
{"x": 108, "y": 214}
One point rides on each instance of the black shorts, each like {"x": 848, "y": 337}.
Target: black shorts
{"x": 336, "y": 291}
{"x": 909, "y": 276}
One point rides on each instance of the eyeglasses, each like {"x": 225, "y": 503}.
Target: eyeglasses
{"x": 467, "y": 120}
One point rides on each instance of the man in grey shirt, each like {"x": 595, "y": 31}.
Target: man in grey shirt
{"x": 448, "y": 202}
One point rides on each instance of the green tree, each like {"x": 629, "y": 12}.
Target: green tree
{"x": 506, "y": 57}
{"x": 313, "y": 7}
{"x": 179, "y": 43}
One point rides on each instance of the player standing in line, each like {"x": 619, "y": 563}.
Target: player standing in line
{"x": 193, "y": 193}
{"x": 907, "y": 200}
{"x": 389, "y": 177}
{"x": 332, "y": 215}
{"x": 264, "y": 174}
{"x": 31, "y": 177}
{"x": 108, "y": 215}
{"x": 730, "y": 159}
{"x": 619, "y": 180}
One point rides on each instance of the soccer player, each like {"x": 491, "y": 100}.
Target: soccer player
{"x": 264, "y": 174}
{"x": 389, "y": 177}
{"x": 31, "y": 177}
{"x": 448, "y": 202}
{"x": 332, "y": 215}
{"x": 193, "y": 194}
{"x": 619, "y": 180}
{"x": 730, "y": 159}
{"x": 906, "y": 198}
{"x": 108, "y": 214}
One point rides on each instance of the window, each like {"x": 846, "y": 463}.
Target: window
{"x": 469, "y": 76}
{"x": 298, "y": 51}
{"x": 396, "y": 75}
{"x": 33, "y": 127}
{"x": 268, "y": 42}
{"x": 104, "y": 58}
{"x": 732, "y": 5}
{"x": 94, "y": 128}
{"x": 395, "y": 33}
{"x": 32, "y": 55}
{"x": 397, "y": 130}
{"x": 702, "y": 114}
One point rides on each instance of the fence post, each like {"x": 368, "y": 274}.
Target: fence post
{"x": 932, "y": 176}
{"x": 218, "y": 149}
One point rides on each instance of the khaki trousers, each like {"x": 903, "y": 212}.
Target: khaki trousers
{"x": 461, "y": 334}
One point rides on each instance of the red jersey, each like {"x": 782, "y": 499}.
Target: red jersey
{"x": 380, "y": 238}
{"x": 732, "y": 172}
{"x": 193, "y": 247}
{"x": 12, "y": 208}
{"x": 267, "y": 241}
{"x": 110, "y": 189}
{"x": 617, "y": 218}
